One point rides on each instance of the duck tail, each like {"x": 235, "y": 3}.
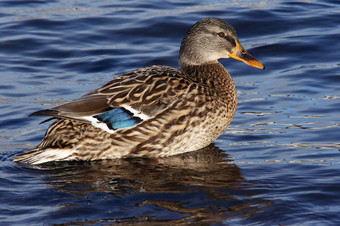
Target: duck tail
{"x": 30, "y": 157}
{"x": 39, "y": 156}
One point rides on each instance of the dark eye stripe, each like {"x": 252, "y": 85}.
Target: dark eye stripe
{"x": 231, "y": 40}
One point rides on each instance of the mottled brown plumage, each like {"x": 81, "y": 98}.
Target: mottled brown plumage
{"x": 178, "y": 111}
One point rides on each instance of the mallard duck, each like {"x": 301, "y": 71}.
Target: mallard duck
{"x": 155, "y": 111}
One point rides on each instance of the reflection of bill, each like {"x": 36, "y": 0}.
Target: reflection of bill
{"x": 202, "y": 186}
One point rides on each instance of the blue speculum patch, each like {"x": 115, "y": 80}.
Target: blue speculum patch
{"x": 118, "y": 118}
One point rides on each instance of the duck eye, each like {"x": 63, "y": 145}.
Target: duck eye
{"x": 221, "y": 34}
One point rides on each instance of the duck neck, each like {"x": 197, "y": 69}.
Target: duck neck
{"x": 212, "y": 74}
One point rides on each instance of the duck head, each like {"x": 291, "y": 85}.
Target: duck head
{"x": 211, "y": 39}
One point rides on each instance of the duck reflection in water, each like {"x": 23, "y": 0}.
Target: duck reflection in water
{"x": 184, "y": 185}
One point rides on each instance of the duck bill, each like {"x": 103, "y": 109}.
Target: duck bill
{"x": 241, "y": 54}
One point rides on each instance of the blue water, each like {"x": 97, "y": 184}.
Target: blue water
{"x": 277, "y": 163}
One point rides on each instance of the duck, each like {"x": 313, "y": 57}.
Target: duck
{"x": 154, "y": 111}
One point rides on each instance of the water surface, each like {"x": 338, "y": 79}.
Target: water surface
{"x": 277, "y": 163}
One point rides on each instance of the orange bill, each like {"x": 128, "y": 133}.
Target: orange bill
{"x": 242, "y": 55}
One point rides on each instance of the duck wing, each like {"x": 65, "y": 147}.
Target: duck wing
{"x": 125, "y": 100}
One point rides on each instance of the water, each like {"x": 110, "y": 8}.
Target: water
{"x": 277, "y": 163}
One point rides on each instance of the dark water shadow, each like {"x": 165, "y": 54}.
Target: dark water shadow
{"x": 202, "y": 186}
